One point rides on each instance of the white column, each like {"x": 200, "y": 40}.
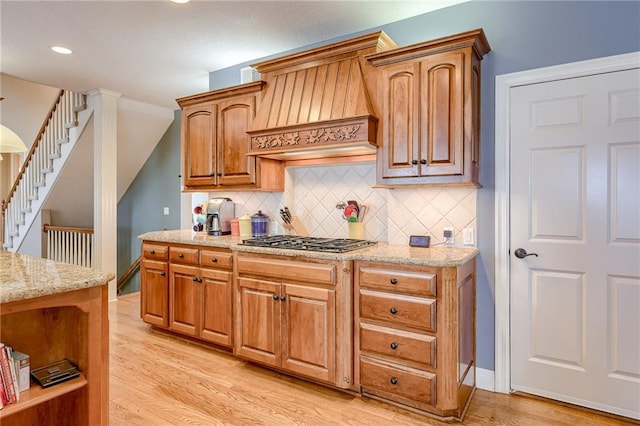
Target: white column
{"x": 105, "y": 167}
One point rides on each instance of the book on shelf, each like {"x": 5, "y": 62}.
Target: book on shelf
{"x": 23, "y": 369}
{"x": 8, "y": 381}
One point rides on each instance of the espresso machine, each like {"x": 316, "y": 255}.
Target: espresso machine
{"x": 220, "y": 211}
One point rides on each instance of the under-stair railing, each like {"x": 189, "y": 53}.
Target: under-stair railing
{"x": 39, "y": 161}
{"x": 69, "y": 244}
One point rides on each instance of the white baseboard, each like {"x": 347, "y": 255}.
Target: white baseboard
{"x": 485, "y": 379}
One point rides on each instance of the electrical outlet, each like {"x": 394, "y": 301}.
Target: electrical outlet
{"x": 469, "y": 236}
{"x": 448, "y": 235}
{"x": 166, "y": 211}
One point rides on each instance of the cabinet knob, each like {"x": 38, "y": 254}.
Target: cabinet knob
{"x": 212, "y": 174}
{"x": 393, "y": 311}
{"x": 394, "y": 380}
{"x": 162, "y": 274}
{"x": 275, "y": 297}
{"x": 394, "y": 346}
{"x": 214, "y": 259}
{"x": 394, "y": 281}
{"x": 283, "y": 297}
{"x": 195, "y": 279}
{"x": 181, "y": 255}
{"x": 423, "y": 161}
{"x": 414, "y": 162}
{"x": 153, "y": 252}
{"x": 219, "y": 174}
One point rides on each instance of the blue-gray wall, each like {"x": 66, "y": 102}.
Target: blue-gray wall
{"x": 522, "y": 34}
{"x": 140, "y": 210}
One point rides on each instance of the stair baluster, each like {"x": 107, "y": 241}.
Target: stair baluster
{"x": 53, "y": 133}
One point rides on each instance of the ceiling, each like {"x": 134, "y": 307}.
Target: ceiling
{"x": 155, "y": 51}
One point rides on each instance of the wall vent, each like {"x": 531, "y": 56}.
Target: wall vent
{"x": 249, "y": 75}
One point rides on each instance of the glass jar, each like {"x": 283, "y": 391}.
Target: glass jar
{"x": 259, "y": 222}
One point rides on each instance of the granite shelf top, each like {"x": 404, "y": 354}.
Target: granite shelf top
{"x": 27, "y": 277}
{"x": 381, "y": 252}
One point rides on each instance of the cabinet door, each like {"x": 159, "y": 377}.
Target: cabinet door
{"x": 309, "y": 332}
{"x": 184, "y": 294}
{"x": 234, "y": 119}
{"x": 216, "y": 307}
{"x": 441, "y": 115}
{"x": 400, "y": 120}
{"x": 154, "y": 292}
{"x": 198, "y": 144}
{"x": 259, "y": 321}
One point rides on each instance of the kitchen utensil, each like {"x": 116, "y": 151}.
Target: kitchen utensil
{"x": 362, "y": 212}
{"x": 348, "y": 211}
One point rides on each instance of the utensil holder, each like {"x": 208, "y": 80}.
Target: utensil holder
{"x": 296, "y": 227}
{"x": 356, "y": 230}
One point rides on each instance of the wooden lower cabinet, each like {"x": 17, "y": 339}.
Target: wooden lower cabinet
{"x": 191, "y": 294}
{"x": 415, "y": 335}
{"x": 154, "y": 285}
{"x": 295, "y": 325}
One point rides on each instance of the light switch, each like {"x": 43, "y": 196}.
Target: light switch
{"x": 166, "y": 211}
{"x": 469, "y": 236}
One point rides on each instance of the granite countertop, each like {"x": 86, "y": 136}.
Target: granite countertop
{"x": 381, "y": 252}
{"x": 27, "y": 277}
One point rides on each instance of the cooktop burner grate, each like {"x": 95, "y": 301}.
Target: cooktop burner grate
{"x": 329, "y": 245}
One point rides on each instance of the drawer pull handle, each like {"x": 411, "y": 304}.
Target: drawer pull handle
{"x": 393, "y": 311}
{"x": 214, "y": 259}
{"x": 394, "y": 380}
{"x": 153, "y": 252}
{"x": 181, "y": 255}
{"x": 394, "y": 281}
{"x": 394, "y": 346}
{"x": 275, "y": 297}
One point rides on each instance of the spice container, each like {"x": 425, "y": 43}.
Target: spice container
{"x": 245, "y": 226}
{"x": 259, "y": 222}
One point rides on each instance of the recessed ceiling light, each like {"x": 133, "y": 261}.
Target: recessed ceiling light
{"x": 61, "y": 50}
{"x": 180, "y": 1}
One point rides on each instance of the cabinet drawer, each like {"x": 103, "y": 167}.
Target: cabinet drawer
{"x": 417, "y": 312}
{"x": 408, "y": 382}
{"x": 412, "y": 282}
{"x": 318, "y": 273}
{"x": 216, "y": 259}
{"x": 398, "y": 344}
{"x": 155, "y": 251}
{"x": 183, "y": 255}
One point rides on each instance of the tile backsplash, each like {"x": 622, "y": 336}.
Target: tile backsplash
{"x": 311, "y": 193}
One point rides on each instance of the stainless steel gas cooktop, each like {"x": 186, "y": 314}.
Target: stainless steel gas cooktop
{"x": 330, "y": 245}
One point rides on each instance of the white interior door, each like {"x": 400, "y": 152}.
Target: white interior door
{"x": 575, "y": 202}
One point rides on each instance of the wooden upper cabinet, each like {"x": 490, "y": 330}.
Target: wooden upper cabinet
{"x": 199, "y": 144}
{"x": 235, "y": 118}
{"x": 215, "y": 142}
{"x": 429, "y": 95}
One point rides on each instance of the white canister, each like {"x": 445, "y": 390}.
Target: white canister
{"x": 245, "y": 226}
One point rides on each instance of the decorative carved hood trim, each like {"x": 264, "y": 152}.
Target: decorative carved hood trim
{"x": 317, "y": 101}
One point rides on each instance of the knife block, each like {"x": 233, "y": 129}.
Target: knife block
{"x": 296, "y": 227}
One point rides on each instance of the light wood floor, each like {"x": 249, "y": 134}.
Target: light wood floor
{"x": 161, "y": 380}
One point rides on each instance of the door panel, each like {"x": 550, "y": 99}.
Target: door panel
{"x": 575, "y": 203}
{"x": 259, "y": 321}
{"x": 183, "y": 299}
{"x": 154, "y": 303}
{"x": 235, "y": 118}
{"x": 216, "y": 307}
{"x": 198, "y": 136}
{"x": 309, "y": 322}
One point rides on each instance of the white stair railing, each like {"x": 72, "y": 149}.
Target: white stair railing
{"x": 39, "y": 162}
{"x": 70, "y": 245}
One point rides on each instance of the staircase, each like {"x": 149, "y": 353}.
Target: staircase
{"x": 53, "y": 145}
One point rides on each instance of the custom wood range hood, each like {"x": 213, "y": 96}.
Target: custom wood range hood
{"x": 317, "y": 103}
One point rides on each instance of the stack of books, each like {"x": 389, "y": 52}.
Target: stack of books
{"x": 14, "y": 374}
